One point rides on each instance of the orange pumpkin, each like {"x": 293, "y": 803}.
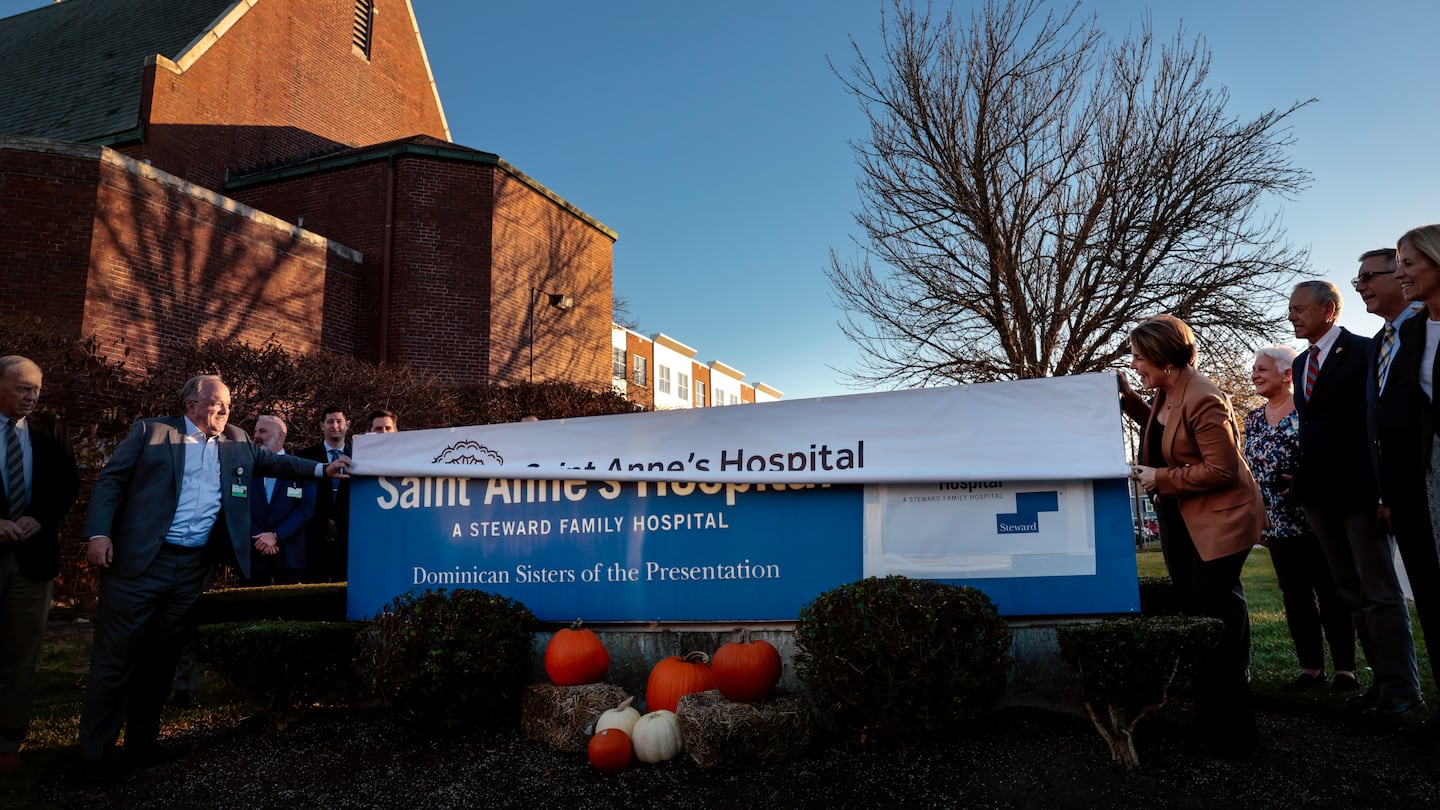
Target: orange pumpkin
{"x": 746, "y": 670}
{"x": 676, "y": 677}
{"x": 575, "y": 656}
{"x": 610, "y": 750}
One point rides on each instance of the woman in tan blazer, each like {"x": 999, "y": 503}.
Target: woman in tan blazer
{"x": 1210, "y": 512}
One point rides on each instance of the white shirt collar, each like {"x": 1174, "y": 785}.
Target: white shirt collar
{"x": 1327, "y": 340}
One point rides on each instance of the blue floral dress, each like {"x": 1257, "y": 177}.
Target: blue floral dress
{"x": 1271, "y": 450}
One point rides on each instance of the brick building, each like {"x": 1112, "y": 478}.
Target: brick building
{"x": 173, "y": 170}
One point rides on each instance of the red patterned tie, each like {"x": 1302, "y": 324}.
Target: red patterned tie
{"x": 1312, "y": 370}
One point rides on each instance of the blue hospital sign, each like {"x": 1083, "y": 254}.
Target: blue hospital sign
{"x": 749, "y": 513}
{"x": 606, "y": 551}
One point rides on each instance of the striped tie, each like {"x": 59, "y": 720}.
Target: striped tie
{"x": 14, "y": 471}
{"x": 1312, "y": 370}
{"x": 1387, "y": 354}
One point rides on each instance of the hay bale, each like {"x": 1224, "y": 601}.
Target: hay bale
{"x": 718, "y": 732}
{"x": 562, "y": 717}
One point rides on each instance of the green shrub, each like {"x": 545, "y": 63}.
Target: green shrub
{"x": 900, "y": 660}
{"x": 454, "y": 658}
{"x": 1160, "y": 597}
{"x": 1127, "y": 669}
{"x": 282, "y": 666}
{"x": 300, "y": 603}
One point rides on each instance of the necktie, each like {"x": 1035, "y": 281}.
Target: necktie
{"x": 334, "y": 482}
{"x": 14, "y": 471}
{"x": 1312, "y": 370}
{"x": 1387, "y": 354}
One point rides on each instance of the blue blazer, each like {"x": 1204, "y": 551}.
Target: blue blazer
{"x": 286, "y": 513}
{"x": 134, "y": 499}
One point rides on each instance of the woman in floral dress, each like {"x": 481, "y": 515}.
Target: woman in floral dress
{"x": 1313, "y": 608}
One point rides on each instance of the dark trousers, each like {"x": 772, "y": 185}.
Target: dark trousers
{"x": 1362, "y": 563}
{"x": 1212, "y": 588}
{"x": 1313, "y": 608}
{"x": 24, "y": 606}
{"x": 140, "y": 628}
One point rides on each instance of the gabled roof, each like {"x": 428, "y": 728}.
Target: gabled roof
{"x": 73, "y": 71}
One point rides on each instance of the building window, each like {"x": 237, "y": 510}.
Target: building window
{"x": 642, "y": 371}
{"x": 617, "y": 362}
{"x": 682, "y": 386}
{"x": 360, "y": 34}
{"x": 700, "y": 394}
{"x": 662, "y": 379}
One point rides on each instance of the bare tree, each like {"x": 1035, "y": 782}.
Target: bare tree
{"x": 1031, "y": 187}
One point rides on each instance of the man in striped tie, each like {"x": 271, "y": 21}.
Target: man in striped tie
{"x": 39, "y": 486}
{"x": 1396, "y": 425}
{"x": 1336, "y": 488}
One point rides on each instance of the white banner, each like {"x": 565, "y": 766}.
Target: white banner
{"x": 1059, "y": 428}
{"x": 981, "y": 530}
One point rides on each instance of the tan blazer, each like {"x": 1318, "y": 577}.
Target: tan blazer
{"x": 1219, "y": 499}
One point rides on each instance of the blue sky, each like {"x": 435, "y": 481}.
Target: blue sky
{"x": 713, "y": 138}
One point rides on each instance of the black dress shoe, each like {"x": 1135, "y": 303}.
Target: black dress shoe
{"x": 1306, "y": 681}
{"x": 1364, "y": 700}
{"x": 1392, "y": 711}
{"x": 1344, "y": 682}
{"x": 98, "y": 772}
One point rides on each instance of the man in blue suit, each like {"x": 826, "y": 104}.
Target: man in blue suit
{"x": 173, "y": 498}
{"x": 280, "y": 510}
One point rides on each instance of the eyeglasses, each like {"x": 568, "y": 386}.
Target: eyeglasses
{"x": 1366, "y": 278}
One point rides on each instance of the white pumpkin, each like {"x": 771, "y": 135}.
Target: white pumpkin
{"x": 622, "y": 717}
{"x": 657, "y": 737}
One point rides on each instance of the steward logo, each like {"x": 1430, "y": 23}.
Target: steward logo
{"x": 1026, "y": 517}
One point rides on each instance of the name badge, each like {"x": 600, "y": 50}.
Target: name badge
{"x": 294, "y": 492}
{"x": 238, "y": 490}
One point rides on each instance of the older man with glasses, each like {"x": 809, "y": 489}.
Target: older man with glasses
{"x": 1396, "y": 426}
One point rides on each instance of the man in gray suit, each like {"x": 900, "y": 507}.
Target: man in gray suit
{"x": 173, "y": 498}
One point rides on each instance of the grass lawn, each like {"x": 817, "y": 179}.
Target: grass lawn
{"x": 1272, "y": 655}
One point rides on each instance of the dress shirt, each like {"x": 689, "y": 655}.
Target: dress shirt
{"x": 199, "y": 490}
{"x": 1324, "y": 344}
{"x": 22, "y": 430}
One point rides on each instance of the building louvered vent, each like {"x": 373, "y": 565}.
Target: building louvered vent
{"x": 364, "y": 26}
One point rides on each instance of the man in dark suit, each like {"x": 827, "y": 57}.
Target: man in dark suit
{"x": 40, "y": 484}
{"x": 1396, "y": 428}
{"x": 1336, "y": 488}
{"x": 280, "y": 511}
{"x": 329, "y": 534}
{"x": 174, "y": 494}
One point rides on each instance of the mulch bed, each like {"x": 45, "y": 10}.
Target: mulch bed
{"x": 1024, "y": 758}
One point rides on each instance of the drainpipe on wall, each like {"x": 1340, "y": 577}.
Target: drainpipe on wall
{"x": 385, "y": 260}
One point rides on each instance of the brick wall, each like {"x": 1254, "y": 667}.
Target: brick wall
{"x": 471, "y": 244}
{"x": 541, "y": 245}
{"x": 48, "y": 200}
{"x": 172, "y": 264}
{"x": 283, "y": 83}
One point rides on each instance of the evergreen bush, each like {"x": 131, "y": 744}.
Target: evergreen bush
{"x": 1129, "y": 668}
{"x": 451, "y": 659}
{"x": 900, "y": 661}
{"x": 282, "y": 666}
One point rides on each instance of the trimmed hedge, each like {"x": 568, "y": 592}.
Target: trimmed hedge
{"x": 899, "y": 660}
{"x": 451, "y": 659}
{"x": 300, "y": 603}
{"x": 283, "y": 666}
{"x": 1128, "y": 668}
